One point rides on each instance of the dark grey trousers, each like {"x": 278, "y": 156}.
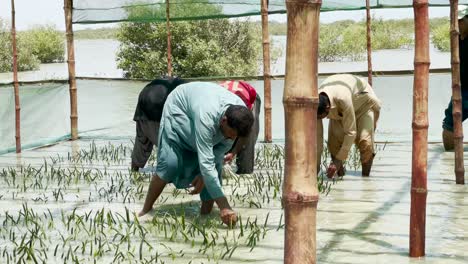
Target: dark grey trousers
{"x": 146, "y": 136}
{"x": 246, "y": 157}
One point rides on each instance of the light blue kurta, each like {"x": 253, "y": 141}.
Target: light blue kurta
{"x": 190, "y": 139}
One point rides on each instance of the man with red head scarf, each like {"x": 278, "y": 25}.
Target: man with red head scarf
{"x": 245, "y": 147}
{"x": 148, "y": 114}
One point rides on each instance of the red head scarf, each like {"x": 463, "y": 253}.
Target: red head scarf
{"x": 242, "y": 89}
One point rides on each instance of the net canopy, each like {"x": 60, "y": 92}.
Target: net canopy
{"x": 109, "y": 11}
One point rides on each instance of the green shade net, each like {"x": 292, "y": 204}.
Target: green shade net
{"x": 107, "y": 11}
{"x": 45, "y": 115}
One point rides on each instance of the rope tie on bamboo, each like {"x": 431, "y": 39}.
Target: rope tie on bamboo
{"x": 420, "y": 3}
{"x": 296, "y": 197}
{"x": 307, "y": 2}
{"x": 454, "y": 32}
{"x": 427, "y": 63}
{"x": 418, "y": 190}
{"x": 301, "y": 101}
{"x": 420, "y": 125}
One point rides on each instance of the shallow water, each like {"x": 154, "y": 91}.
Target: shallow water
{"x": 361, "y": 220}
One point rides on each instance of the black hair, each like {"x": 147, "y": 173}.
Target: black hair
{"x": 240, "y": 118}
{"x": 154, "y": 95}
{"x": 323, "y": 103}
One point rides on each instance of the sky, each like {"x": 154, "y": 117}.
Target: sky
{"x": 50, "y": 12}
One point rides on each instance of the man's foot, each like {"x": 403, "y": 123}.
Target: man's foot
{"x": 143, "y": 212}
{"x": 447, "y": 138}
{"x": 206, "y": 207}
{"x": 366, "y": 167}
{"x": 341, "y": 171}
{"x": 134, "y": 167}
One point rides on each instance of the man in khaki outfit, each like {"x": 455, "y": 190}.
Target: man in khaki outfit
{"x": 353, "y": 109}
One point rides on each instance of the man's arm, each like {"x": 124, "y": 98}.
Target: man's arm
{"x": 376, "y": 105}
{"x": 204, "y": 131}
{"x": 349, "y": 127}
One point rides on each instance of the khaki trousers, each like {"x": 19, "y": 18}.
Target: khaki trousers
{"x": 364, "y": 137}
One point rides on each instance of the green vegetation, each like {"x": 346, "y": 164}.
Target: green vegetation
{"x": 441, "y": 36}
{"x": 217, "y": 47}
{"x": 43, "y": 44}
{"x": 26, "y": 59}
{"x": 47, "y": 43}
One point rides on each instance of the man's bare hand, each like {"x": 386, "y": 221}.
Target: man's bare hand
{"x": 331, "y": 170}
{"x": 198, "y": 185}
{"x": 228, "y": 158}
{"x": 228, "y": 216}
{"x": 334, "y": 166}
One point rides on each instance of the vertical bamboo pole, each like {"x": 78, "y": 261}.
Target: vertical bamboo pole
{"x": 300, "y": 100}
{"x": 369, "y": 43}
{"x": 420, "y": 125}
{"x": 456, "y": 94}
{"x": 266, "y": 70}
{"x": 15, "y": 80}
{"x": 68, "y": 6}
{"x": 169, "y": 50}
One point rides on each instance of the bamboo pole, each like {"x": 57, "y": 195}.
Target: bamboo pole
{"x": 15, "y": 80}
{"x": 456, "y": 94}
{"x": 369, "y": 44}
{"x": 68, "y": 6}
{"x": 169, "y": 49}
{"x": 300, "y": 100}
{"x": 420, "y": 125}
{"x": 266, "y": 70}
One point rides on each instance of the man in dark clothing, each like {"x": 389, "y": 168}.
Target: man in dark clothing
{"x": 447, "y": 134}
{"x": 148, "y": 115}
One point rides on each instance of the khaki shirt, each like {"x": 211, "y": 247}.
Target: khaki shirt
{"x": 350, "y": 97}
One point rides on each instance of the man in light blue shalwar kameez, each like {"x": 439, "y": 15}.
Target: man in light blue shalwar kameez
{"x": 199, "y": 124}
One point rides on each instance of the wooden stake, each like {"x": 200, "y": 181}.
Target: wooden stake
{"x": 300, "y": 100}
{"x": 420, "y": 125}
{"x": 68, "y": 6}
{"x": 15, "y": 80}
{"x": 169, "y": 50}
{"x": 456, "y": 94}
{"x": 369, "y": 43}
{"x": 266, "y": 70}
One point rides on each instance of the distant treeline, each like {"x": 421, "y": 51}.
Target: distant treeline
{"x": 340, "y": 36}
{"x": 341, "y": 40}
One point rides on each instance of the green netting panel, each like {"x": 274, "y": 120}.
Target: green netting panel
{"x": 107, "y": 11}
{"x": 45, "y": 115}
